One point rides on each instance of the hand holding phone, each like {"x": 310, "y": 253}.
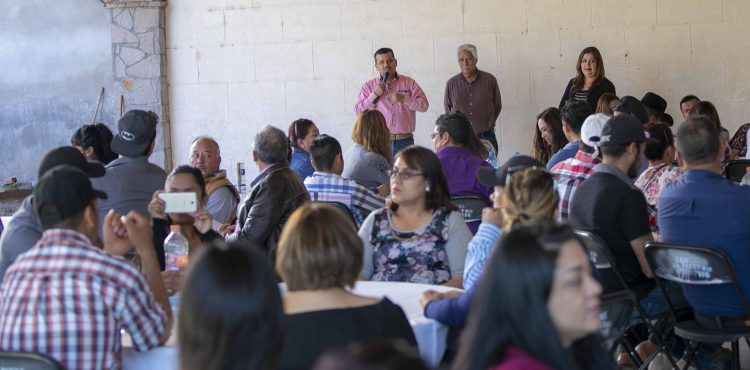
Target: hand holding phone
{"x": 179, "y": 202}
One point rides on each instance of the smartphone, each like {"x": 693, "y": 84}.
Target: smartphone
{"x": 179, "y": 202}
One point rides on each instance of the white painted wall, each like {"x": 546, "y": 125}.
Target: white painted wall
{"x": 237, "y": 65}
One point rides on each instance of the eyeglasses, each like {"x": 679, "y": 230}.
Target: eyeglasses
{"x": 435, "y": 134}
{"x": 403, "y": 175}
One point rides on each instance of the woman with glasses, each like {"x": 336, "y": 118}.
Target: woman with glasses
{"x": 523, "y": 194}
{"x": 419, "y": 237}
{"x": 369, "y": 159}
{"x": 302, "y": 132}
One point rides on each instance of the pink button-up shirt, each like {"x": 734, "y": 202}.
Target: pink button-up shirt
{"x": 400, "y": 118}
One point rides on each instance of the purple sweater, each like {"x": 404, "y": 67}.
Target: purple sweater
{"x": 460, "y": 169}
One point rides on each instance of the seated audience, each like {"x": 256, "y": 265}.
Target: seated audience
{"x": 231, "y": 315}
{"x": 660, "y": 153}
{"x": 610, "y": 206}
{"x": 195, "y": 227}
{"x": 369, "y": 159}
{"x": 131, "y": 180}
{"x": 94, "y": 142}
{"x": 548, "y": 135}
{"x": 274, "y": 194}
{"x": 528, "y": 197}
{"x": 419, "y": 237}
{"x": 68, "y": 298}
{"x": 607, "y": 103}
{"x": 221, "y": 196}
{"x": 326, "y": 183}
{"x": 301, "y": 134}
{"x": 460, "y": 155}
{"x": 554, "y": 324}
{"x": 24, "y": 228}
{"x": 705, "y": 209}
{"x": 570, "y": 173}
{"x": 320, "y": 257}
{"x": 573, "y": 114}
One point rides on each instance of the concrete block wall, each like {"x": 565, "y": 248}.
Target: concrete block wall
{"x": 237, "y": 65}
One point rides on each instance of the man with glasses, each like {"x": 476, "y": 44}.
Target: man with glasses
{"x": 397, "y": 96}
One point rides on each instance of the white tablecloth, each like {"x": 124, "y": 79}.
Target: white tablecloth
{"x": 430, "y": 334}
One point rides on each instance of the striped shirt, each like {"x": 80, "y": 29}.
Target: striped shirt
{"x": 479, "y": 252}
{"x": 568, "y": 175}
{"x": 329, "y": 187}
{"x": 69, "y": 299}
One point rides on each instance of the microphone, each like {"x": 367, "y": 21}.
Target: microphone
{"x": 385, "y": 79}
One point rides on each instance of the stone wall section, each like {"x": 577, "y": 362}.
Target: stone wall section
{"x": 139, "y": 64}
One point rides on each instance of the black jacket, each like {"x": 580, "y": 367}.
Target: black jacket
{"x": 604, "y": 86}
{"x": 272, "y": 199}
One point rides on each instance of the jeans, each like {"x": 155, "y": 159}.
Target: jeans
{"x": 397, "y": 145}
{"x": 490, "y": 136}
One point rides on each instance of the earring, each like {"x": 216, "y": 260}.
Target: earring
{"x": 427, "y": 189}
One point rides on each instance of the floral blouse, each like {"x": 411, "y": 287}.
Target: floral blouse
{"x": 652, "y": 181}
{"x": 411, "y": 257}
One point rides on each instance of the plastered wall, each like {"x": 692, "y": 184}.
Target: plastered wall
{"x": 237, "y": 65}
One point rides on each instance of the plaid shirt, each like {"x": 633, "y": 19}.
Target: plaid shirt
{"x": 568, "y": 175}
{"x": 330, "y": 187}
{"x": 69, "y": 299}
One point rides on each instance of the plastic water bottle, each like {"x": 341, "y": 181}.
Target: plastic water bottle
{"x": 175, "y": 250}
{"x": 492, "y": 160}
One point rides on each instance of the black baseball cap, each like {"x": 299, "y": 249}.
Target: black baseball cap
{"x": 70, "y": 156}
{"x": 135, "y": 130}
{"x": 493, "y": 177}
{"x": 623, "y": 129}
{"x": 62, "y": 192}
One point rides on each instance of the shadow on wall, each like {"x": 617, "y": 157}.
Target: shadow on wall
{"x": 55, "y": 59}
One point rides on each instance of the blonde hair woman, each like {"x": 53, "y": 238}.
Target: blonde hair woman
{"x": 369, "y": 159}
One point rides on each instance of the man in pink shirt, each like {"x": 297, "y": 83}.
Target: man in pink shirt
{"x": 396, "y": 96}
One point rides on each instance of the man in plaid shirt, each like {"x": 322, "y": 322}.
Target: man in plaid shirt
{"x": 326, "y": 183}
{"x": 570, "y": 173}
{"x": 68, "y": 298}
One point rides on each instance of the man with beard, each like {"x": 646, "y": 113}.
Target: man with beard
{"x": 610, "y": 206}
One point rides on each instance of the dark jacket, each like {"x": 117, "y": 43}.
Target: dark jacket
{"x": 274, "y": 195}
{"x": 604, "y": 86}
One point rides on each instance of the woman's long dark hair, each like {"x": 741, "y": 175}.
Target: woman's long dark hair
{"x": 427, "y": 163}
{"x": 98, "y": 137}
{"x": 510, "y": 308}
{"x": 231, "y": 315}
{"x": 542, "y": 151}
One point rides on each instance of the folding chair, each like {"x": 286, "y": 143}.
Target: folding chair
{"x": 700, "y": 266}
{"x": 735, "y": 169}
{"x": 471, "y": 206}
{"x": 617, "y": 310}
{"x": 612, "y": 281}
{"x": 28, "y": 361}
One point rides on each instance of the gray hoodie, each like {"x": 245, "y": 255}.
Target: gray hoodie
{"x": 20, "y": 234}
